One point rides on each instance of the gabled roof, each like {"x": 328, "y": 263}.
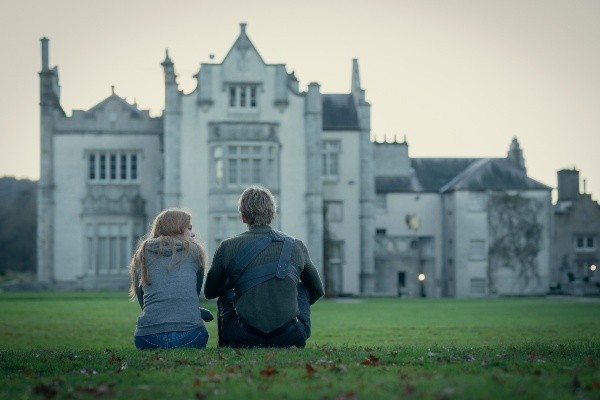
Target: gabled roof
{"x": 339, "y": 112}
{"x": 397, "y": 184}
{"x": 434, "y": 173}
{"x": 114, "y": 98}
{"x": 243, "y": 43}
{"x": 493, "y": 173}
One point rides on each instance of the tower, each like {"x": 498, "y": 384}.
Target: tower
{"x": 367, "y": 185}
{"x": 172, "y": 137}
{"x": 49, "y": 109}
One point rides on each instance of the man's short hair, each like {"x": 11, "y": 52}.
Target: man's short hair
{"x": 257, "y": 206}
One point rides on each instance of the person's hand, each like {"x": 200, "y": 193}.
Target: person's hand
{"x": 206, "y": 315}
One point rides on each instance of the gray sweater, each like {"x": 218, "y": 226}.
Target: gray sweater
{"x": 170, "y": 301}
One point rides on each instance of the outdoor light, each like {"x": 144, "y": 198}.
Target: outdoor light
{"x": 592, "y": 267}
{"x": 421, "y": 277}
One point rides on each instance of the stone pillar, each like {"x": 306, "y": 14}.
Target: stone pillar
{"x": 171, "y": 137}
{"x": 45, "y": 197}
{"x": 314, "y": 188}
{"x": 367, "y": 186}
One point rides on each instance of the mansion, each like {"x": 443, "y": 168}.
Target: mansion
{"x": 375, "y": 220}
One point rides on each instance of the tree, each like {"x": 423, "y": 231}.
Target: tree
{"x": 18, "y": 225}
{"x": 515, "y": 238}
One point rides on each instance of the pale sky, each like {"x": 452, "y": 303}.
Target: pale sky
{"x": 459, "y": 78}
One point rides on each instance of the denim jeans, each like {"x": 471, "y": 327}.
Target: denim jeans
{"x": 197, "y": 338}
{"x": 233, "y": 332}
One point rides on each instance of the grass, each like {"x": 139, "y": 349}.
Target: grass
{"x": 79, "y": 345}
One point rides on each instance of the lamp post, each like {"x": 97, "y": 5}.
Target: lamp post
{"x": 422, "y": 278}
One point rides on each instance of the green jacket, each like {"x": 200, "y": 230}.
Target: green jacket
{"x": 273, "y": 303}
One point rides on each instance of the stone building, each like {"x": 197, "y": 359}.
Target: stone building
{"x": 459, "y": 223}
{"x": 374, "y": 219}
{"x": 576, "y": 252}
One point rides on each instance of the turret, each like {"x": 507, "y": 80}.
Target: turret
{"x": 367, "y": 185}
{"x": 49, "y": 110}
{"x": 172, "y": 136}
{"x": 314, "y": 189}
{"x": 515, "y": 155}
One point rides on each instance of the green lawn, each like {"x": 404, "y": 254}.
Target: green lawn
{"x": 79, "y": 345}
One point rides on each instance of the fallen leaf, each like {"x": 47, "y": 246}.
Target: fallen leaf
{"x": 310, "y": 370}
{"x": 371, "y": 360}
{"x": 409, "y": 389}
{"x": 115, "y": 359}
{"x": 182, "y": 361}
{"x": 269, "y": 356}
{"x": 197, "y": 382}
{"x": 233, "y": 370}
{"x": 268, "y": 371}
{"x": 535, "y": 356}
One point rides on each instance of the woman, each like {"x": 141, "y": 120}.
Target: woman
{"x": 167, "y": 271}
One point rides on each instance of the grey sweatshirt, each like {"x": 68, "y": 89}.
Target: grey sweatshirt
{"x": 170, "y": 301}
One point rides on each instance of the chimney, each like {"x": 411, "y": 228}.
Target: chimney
{"x": 568, "y": 184}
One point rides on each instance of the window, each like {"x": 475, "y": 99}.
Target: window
{"x": 334, "y": 211}
{"x": 108, "y": 248}
{"x": 381, "y": 202}
{"x": 476, "y": 201}
{"x": 477, "y": 286}
{"x": 112, "y": 167}
{"x": 330, "y": 163}
{"x": 243, "y": 96}
{"x": 477, "y": 249}
{"x": 243, "y": 164}
{"x": 380, "y": 231}
{"x": 585, "y": 243}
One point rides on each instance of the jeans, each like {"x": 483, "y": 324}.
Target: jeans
{"x": 197, "y": 338}
{"x": 233, "y": 332}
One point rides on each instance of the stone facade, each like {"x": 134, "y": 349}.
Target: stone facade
{"x": 576, "y": 254}
{"x": 376, "y": 221}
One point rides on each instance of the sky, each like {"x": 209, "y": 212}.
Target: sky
{"x": 456, "y": 78}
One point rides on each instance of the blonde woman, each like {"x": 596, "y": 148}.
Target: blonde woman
{"x": 167, "y": 271}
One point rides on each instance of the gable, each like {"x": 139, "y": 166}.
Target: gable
{"x": 243, "y": 62}
{"x": 493, "y": 174}
{"x": 434, "y": 173}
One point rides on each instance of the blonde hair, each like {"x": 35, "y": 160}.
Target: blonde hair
{"x": 257, "y": 206}
{"x": 168, "y": 226}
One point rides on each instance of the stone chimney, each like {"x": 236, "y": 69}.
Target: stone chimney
{"x": 568, "y": 184}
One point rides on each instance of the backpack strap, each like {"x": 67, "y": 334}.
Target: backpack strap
{"x": 242, "y": 279}
{"x": 247, "y": 254}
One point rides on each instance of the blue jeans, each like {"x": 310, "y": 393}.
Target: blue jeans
{"x": 197, "y": 338}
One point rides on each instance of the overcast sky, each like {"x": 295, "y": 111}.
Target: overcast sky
{"x": 458, "y": 78}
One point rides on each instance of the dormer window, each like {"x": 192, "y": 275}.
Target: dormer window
{"x": 243, "y": 96}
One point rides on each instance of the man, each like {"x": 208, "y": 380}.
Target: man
{"x": 264, "y": 279}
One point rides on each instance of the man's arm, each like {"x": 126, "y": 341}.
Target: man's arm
{"x": 310, "y": 277}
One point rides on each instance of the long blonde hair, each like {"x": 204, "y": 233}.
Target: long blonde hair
{"x": 169, "y": 226}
